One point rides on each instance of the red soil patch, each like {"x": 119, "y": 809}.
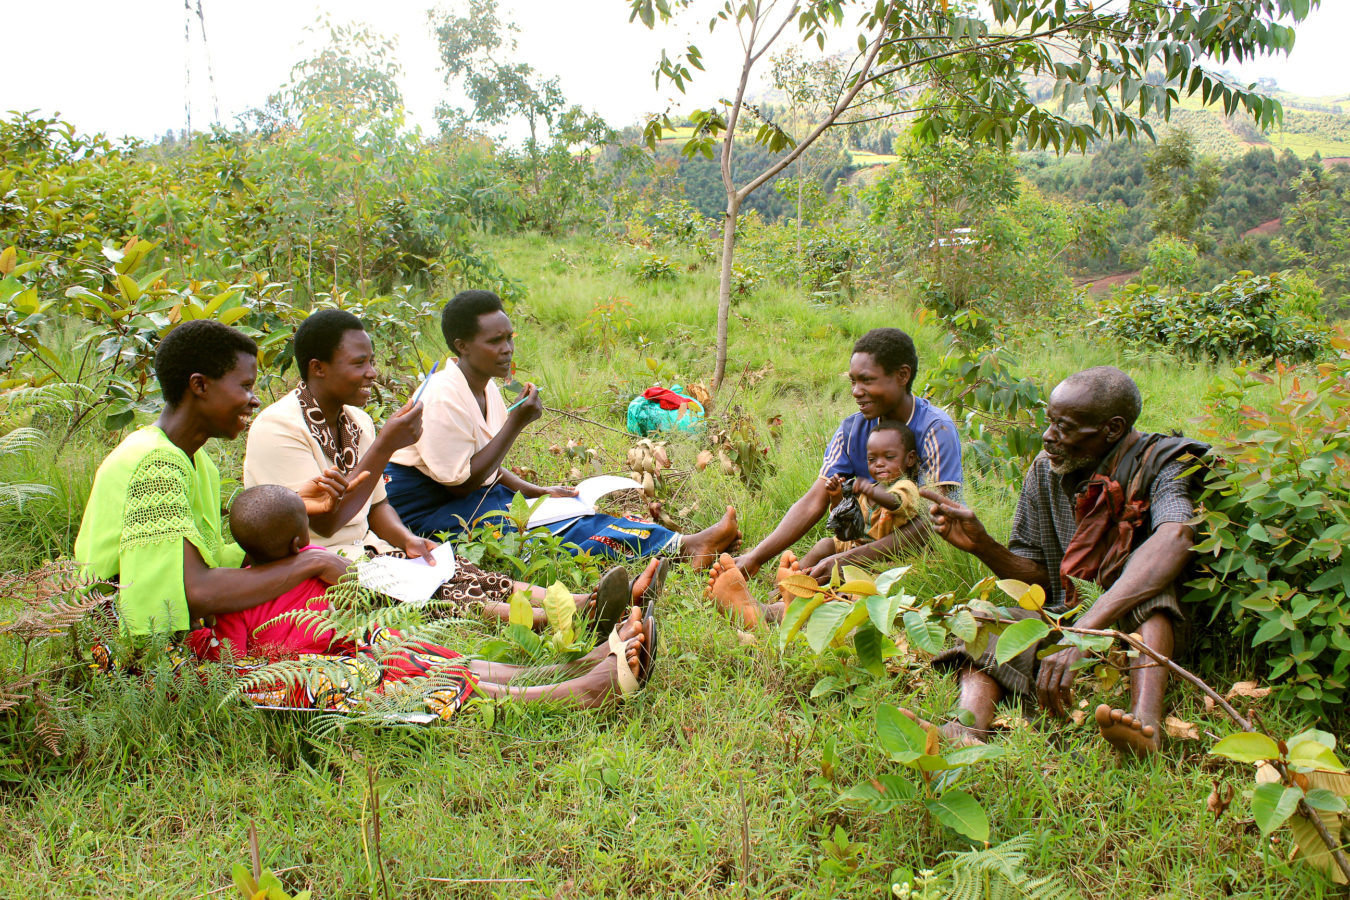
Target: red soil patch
{"x": 1263, "y": 230}
{"x": 1103, "y": 283}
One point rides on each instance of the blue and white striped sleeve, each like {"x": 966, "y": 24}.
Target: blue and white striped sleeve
{"x": 940, "y": 454}
{"x": 836, "y": 461}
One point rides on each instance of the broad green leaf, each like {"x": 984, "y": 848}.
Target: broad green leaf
{"x": 1018, "y": 638}
{"x": 1321, "y": 798}
{"x": 827, "y": 685}
{"x": 882, "y": 610}
{"x": 968, "y": 756}
{"x": 230, "y": 316}
{"x": 1272, "y": 803}
{"x": 1246, "y": 747}
{"x": 962, "y": 813}
{"x": 1312, "y": 734}
{"x": 861, "y": 587}
{"x": 856, "y": 616}
{"x": 890, "y": 578}
{"x": 798, "y": 614}
{"x": 867, "y": 644}
{"x": 824, "y": 623}
{"x": 898, "y": 734}
{"x": 522, "y": 611}
{"x": 1314, "y": 755}
{"x": 962, "y": 624}
{"x": 977, "y": 647}
{"x": 921, "y": 632}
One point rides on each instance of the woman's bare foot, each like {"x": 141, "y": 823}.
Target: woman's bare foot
{"x": 644, "y": 580}
{"x": 787, "y": 565}
{"x": 953, "y": 733}
{"x": 727, "y": 587}
{"x": 1127, "y": 733}
{"x": 702, "y": 548}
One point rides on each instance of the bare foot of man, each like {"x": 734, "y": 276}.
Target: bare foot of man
{"x": 727, "y": 587}
{"x": 1126, "y": 732}
{"x": 953, "y": 733}
{"x": 702, "y": 548}
{"x": 787, "y": 565}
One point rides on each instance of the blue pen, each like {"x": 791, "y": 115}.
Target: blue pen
{"x": 517, "y": 403}
{"x": 425, "y": 381}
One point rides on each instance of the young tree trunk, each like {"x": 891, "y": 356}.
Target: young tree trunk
{"x": 724, "y": 287}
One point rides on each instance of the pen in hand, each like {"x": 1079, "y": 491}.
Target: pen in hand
{"x": 425, "y": 381}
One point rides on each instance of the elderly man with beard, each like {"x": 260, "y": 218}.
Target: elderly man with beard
{"x": 1102, "y": 503}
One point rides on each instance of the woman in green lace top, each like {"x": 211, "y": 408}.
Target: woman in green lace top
{"x": 153, "y": 520}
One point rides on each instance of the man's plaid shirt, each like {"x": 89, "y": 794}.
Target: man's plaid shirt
{"x": 1043, "y": 524}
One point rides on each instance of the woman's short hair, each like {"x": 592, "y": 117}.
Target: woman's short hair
{"x": 319, "y": 335}
{"x": 459, "y": 319}
{"x": 200, "y": 347}
{"x": 891, "y": 348}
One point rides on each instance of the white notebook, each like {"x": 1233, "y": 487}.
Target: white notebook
{"x": 408, "y": 580}
{"x": 558, "y": 509}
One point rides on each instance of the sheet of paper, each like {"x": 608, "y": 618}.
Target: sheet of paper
{"x": 408, "y": 580}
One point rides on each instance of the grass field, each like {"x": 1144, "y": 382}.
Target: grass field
{"x": 722, "y": 779}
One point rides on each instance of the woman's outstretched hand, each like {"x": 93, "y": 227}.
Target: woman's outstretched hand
{"x": 404, "y": 428}
{"x": 559, "y": 490}
{"x": 323, "y": 493}
{"x": 955, "y": 522}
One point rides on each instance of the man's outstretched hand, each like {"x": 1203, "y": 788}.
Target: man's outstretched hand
{"x": 955, "y": 522}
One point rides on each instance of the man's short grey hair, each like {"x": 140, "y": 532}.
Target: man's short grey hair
{"x": 1112, "y": 393}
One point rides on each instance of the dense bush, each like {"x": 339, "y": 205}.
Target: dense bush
{"x": 1248, "y": 317}
{"x": 1276, "y": 520}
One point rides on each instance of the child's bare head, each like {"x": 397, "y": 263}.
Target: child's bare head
{"x": 269, "y": 522}
{"x": 892, "y": 452}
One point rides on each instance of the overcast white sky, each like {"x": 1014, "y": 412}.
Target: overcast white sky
{"x": 119, "y": 67}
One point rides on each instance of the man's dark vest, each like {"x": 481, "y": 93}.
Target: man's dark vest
{"x": 1112, "y": 507}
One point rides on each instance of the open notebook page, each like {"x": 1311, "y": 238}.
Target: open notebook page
{"x": 558, "y": 509}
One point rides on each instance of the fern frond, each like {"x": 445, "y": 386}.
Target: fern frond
{"x": 996, "y": 874}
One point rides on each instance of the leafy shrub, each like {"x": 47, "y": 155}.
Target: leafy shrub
{"x": 744, "y": 279}
{"x": 1246, "y": 317}
{"x": 675, "y": 219}
{"x": 1276, "y": 518}
{"x": 656, "y": 267}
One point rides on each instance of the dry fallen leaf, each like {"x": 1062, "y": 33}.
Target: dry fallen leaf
{"x": 1179, "y": 730}
{"x": 1011, "y": 722}
{"x": 1266, "y": 773}
{"x": 1218, "y": 800}
{"x": 746, "y": 638}
{"x": 703, "y": 459}
{"x": 1078, "y": 716}
{"x": 1247, "y": 689}
{"x": 1209, "y": 704}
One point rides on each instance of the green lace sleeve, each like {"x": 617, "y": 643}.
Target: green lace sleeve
{"x": 156, "y": 520}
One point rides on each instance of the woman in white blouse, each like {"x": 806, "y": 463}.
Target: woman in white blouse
{"x": 454, "y": 473}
